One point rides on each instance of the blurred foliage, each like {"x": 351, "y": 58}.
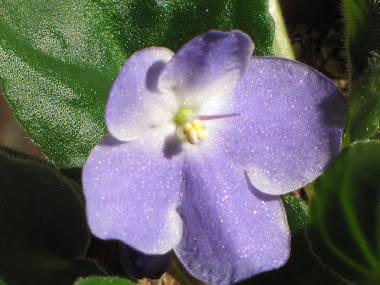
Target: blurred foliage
{"x": 345, "y": 214}
{"x": 44, "y": 232}
{"x": 363, "y": 55}
{"x": 103, "y": 281}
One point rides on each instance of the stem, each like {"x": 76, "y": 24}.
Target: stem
{"x": 281, "y": 43}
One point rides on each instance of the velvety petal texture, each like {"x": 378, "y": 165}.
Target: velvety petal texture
{"x": 231, "y": 230}
{"x": 132, "y": 192}
{"x": 209, "y": 65}
{"x": 291, "y": 124}
{"x": 135, "y": 104}
{"x": 198, "y": 140}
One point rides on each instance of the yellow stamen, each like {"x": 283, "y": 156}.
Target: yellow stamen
{"x": 194, "y": 132}
{"x": 190, "y": 127}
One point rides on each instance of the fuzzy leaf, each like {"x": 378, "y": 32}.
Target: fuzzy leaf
{"x": 56, "y": 68}
{"x": 345, "y": 214}
{"x": 363, "y": 51}
{"x": 44, "y": 230}
{"x": 103, "y": 281}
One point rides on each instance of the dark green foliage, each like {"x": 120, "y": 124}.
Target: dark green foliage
{"x": 345, "y": 214}
{"x": 58, "y": 58}
{"x": 103, "y": 281}
{"x": 363, "y": 55}
{"x": 44, "y": 231}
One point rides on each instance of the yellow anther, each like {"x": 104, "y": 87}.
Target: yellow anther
{"x": 187, "y": 128}
{"x": 194, "y": 131}
{"x": 201, "y": 134}
{"x": 197, "y": 124}
{"x": 190, "y": 133}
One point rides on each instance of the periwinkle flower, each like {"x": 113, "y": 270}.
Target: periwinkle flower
{"x": 200, "y": 145}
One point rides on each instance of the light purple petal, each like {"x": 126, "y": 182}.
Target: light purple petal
{"x": 231, "y": 231}
{"x": 291, "y": 125}
{"x": 210, "y": 64}
{"x": 135, "y": 104}
{"x": 132, "y": 192}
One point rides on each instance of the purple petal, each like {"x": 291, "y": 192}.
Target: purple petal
{"x": 210, "y": 64}
{"x": 132, "y": 192}
{"x": 135, "y": 104}
{"x": 291, "y": 125}
{"x": 231, "y": 231}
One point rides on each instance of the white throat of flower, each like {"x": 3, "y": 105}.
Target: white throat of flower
{"x": 190, "y": 128}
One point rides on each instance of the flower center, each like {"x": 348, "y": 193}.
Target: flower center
{"x": 190, "y": 128}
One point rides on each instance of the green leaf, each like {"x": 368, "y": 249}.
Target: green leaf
{"x": 363, "y": 51}
{"x": 43, "y": 222}
{"x": 171, "y": 23}
{"x": 363, "y": 31}
{"x": 297, "y": 212}
{"x": 345, "y": 214}
{"x": 281, "y": 43}
{"x": 364, "y": 106}
{"x": 303, "y": 267}
{"x": 103, "y": 281}
{"x": 56, "y": 68}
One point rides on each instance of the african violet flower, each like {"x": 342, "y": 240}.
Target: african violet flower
{"x": 200, "y": 145}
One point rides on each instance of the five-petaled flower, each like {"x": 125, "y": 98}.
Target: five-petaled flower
{"x": 200, "y": 145}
